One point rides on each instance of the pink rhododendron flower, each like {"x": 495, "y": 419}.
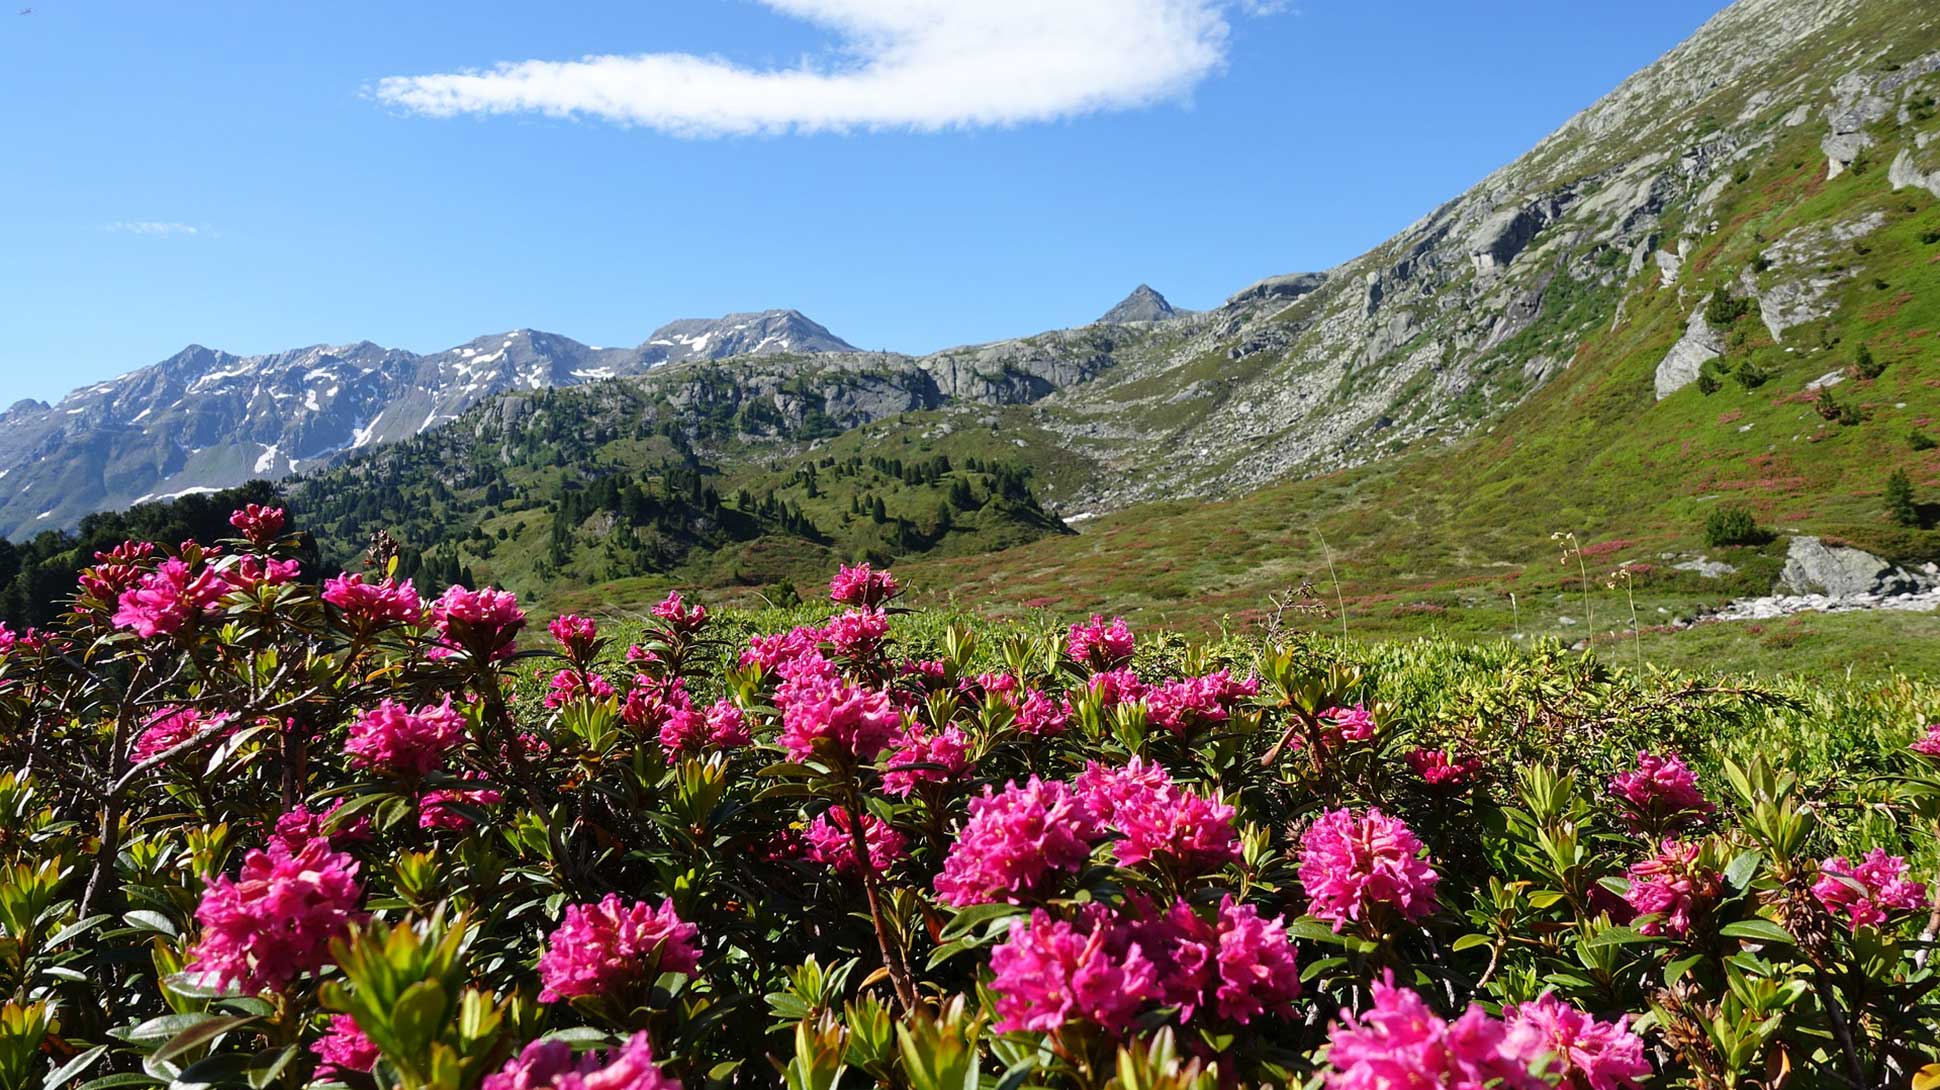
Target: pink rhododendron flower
{"x": 170, "y": 727}
{"x": 1355, "y": 724}
{"x": 374, "y": 604}
{"x": 1436, "y": 769}
{"x": 483, "y": 621}
{"x": 1040, "y": 715}
{"x": 1399, "y": 1042}
{"x": 831, "y": 841}
{"x": 168, "y": 599}
{"x": 836, "y": 721}
{"x": 251, "y": 572}
{"x": 1583, "y": 1053}
{"x": 1351, "y": 864}
{"x": 1864, "y": 894}
{"x": 1014, "y": 840}
{"x": 395, "y": 739}
{"x": 300, "y": 825}
{"x": 1661, "y": 792}
{"x": 770, "y": 652}
{"x": 1051, "y": 971}
{"x": 1115, "y": 687}
{"x": 1927, "y": 745}
{"x": 574, "y": 635}
{"x": 680, "y": 616}
{"x": 603, "y": 948}
{"x": 115, "y": 571}
{"x": 1239, "y": 965}
{"x": 1197, "y": 703}
{"x": 552, "y": 1065}
{"x": 857, "y": 634}
{"x": 948, "y": 748}
{"x": 1672, "y": 885}
{"x": 862, "y": 586}
{"x": 569, "y": 685}
{"x": 275, "y": 920}
{"x": 683, "y": 730}
{"x": 435, "y": 811}
{"x": 258, "y": 523}
{"x": 727, "y": 725}
{"x": 344, "y": 1050}
{"x": 1099, "y": 645}
{"x": 1155, "y": 817}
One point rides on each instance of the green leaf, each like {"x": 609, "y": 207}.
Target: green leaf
{"x": 73, "y": 1067}
{"x": 1675, "y": 971}
{"x": 1617, "y": 936}
{"x": 969, "y": 918}
{"x": 1758, "y": 930}
{"x": 1469, "y": 942}
{"x": 163, "y": 1027}
{"x": 200, "y": 1034}
{"x": 1738, "y": 873}
{"x": 152, "y": 921}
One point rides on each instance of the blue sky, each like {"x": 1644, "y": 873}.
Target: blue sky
{"x": 237, "y": 174}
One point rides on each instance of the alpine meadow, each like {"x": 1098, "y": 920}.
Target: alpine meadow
{"x": 1504, "y": 660}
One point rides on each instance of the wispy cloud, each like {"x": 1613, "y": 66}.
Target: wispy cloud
{"x": 916, "y": 65}
{"x": 153, "y": 228}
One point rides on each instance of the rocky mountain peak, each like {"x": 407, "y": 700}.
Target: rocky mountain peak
{"x": 756, "y": 333}
{"x": 1142, "y": 305}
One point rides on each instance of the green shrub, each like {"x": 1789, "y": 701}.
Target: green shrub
{"x": 1733, "y": 524}
{"x": 1725, "y": 309}
{"x": 1868, "y": 365}
{"x": 1749, "y": 375}
{"x": 1919, "y": 440}
{"x": 1899, "y": 499}
{"x": 1707, "y": 382}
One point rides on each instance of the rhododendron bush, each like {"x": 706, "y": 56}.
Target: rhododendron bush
{"x": 264, "y": 826}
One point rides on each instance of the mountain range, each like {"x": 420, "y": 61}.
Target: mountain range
{"x": 205, "y": 419}
{"x": 1718, "y": 284}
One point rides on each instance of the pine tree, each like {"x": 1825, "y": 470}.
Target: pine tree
{"x": 1899, "y": 499}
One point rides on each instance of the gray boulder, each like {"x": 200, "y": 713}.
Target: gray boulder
{"x": 1700, "y": 345}
{"x": 1841, "y": 571}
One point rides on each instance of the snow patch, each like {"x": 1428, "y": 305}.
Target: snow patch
{"x": 266, "y": 461}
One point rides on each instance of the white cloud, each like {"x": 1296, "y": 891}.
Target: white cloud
{"x": 903, "y": 64}
{"x": 153, "y": 228}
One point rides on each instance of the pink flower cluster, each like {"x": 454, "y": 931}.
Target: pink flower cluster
{"x": 276, "y": 919}
{"x": 1098, "y": 644}
{"x": 248, "y": 573}
{"x": 1108, "y": 968}
{"x": 679, "y": 616}
{"x": 1671, "y": 886}
{"x": 258, "y": 523}
{"x": 170, "y": 727}
{"x": 831, "y": 841}
{"x": 1050, "y": 971}
{"x": 1399, "y": 1041}
{"x": 575, "y": 635}
{"x": 344, "y": 1050}
{"x": 1197, "y": 703}
{"x": 435, "y": 807}
{"x": 947, "y": 750}
{"x": 115, "y": 570}
{"x": 1437, "y": 769}
{"x": 371, "y": 605}
{"x": 552, "y": 1065}
{"x": 1864, "y": 893}
{"x": 857, "y": 634}
{"x": 1042, "y": 716}
{"x": 1014, "y": 840}
{"x": 1351, "y": 864}
{"x": 1156, "y": 818}
{"x": 483, "y": 622}
{"x": 827, "y": 717}
{"x": 394, "y": 739}
{"x": 601, "y": 949}
{"x": 1660, "y": 793}
{"x": 1927, "y": 745}
{"x": 1355, "y": 724}
{"x": 863, "y": 586}
{"x": 168, "y": 599}
{"x": 569, "y": 685}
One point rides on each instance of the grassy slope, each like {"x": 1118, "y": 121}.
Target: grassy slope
{"x": 1440, "y": 539}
